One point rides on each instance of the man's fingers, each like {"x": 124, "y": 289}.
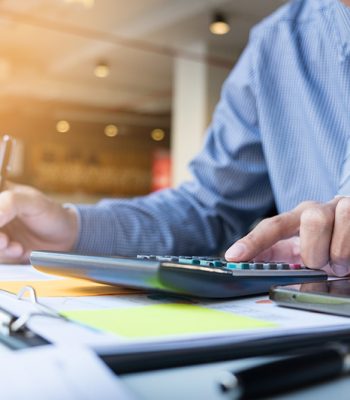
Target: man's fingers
{"x": 324, "y": 232}
{"x": 268, "y": 232}
{"x": 287, "y": 250}
{"x": 340, "y": 245}
{"x": 19, "y": 201}
{"x": 13, "y": 252}
{"x": 316, "y": 229}
{"x": 324, "y": 237}
{"x": 4, "y": 241}
{"x": 336, "y": 270}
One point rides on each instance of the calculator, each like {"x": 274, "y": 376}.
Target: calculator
{"x": 195, "y": 276}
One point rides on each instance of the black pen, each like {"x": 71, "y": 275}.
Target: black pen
{"x": 288, "y": 374}
{"x": 5, "y": 156}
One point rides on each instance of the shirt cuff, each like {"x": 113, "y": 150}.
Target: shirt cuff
{"x": 97, "y": 230}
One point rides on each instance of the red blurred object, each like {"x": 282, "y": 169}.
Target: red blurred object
{"x": 161, "y": 170}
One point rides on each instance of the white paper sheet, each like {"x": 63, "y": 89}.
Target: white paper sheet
{"x": 56, "y": 331}
{"x": 58, "y": 373}
{"x": 22, "y": 272}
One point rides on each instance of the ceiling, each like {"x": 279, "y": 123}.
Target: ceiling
{"x": 49, "y": 48}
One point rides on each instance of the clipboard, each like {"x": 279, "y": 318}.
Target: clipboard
{"x": 24, "y": 322}
{"x": 141, "y": 358}
{"x": 17, "y": 332}
{"x": 14, "y": 331}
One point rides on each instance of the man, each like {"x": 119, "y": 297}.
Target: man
{"x": 279, "y": 135}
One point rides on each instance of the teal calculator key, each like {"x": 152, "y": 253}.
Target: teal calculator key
{"x": 230, "y": 265}
{"x": 211, "y": 263}
{"x": 206, "y": 263}
{"x": 189, "y": 261}
{"x": 218, "y": 263}
{"x": 215, "y": 263}
{"x": 237, "y": 265}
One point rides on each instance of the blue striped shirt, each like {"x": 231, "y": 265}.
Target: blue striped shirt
{"x": 278, "y": 134}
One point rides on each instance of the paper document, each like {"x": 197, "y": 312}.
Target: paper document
{"x": 70, "y": 287}
{"x": 14, "y": 277}
{"x": 164, "y": 320}
{"x": 119, "y": 319}
{"x": 57, "y": 373}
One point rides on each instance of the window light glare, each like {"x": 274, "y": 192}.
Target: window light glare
{"x": 101, "y": 70}
{"x": 85, "y": 3}
{"x": 62, "y": 126}
{"x": 157, "y": 134}
{"x": 111, "y": 130}
{"x": 219, "y": 25}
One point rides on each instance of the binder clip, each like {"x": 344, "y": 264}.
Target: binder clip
{"x": 13, "y": 325}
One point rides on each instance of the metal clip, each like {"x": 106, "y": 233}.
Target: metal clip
{"x": 21, "y": 322}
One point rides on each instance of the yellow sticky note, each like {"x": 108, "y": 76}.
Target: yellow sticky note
{"x": 66, "y": 288}
{"x": 164, "y": 319}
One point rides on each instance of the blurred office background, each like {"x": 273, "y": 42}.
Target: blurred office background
{"x": 112, "y": 97}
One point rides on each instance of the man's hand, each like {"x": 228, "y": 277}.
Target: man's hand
{"x": 318, "y": 235}
{"x": 30, "y": 220}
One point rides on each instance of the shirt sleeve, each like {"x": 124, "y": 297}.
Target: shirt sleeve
{"x": 230, "y": 188}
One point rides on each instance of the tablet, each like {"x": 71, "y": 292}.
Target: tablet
{"x": 331, "y": 297}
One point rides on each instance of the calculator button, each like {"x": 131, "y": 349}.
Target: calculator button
{"x": 206, "y": 263}
{"x": 213, "y": 263}
{"x": 230, "y": 265}
{"x": 256, "y": 266}
{"x": 270, "y": 266}
{"x": 167, "y": 258}
{"x": 189, "y": 260}
{"x": 283, "y": 266}
{"x": 295, "y": 266}
{"x": 218, "y": 263}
